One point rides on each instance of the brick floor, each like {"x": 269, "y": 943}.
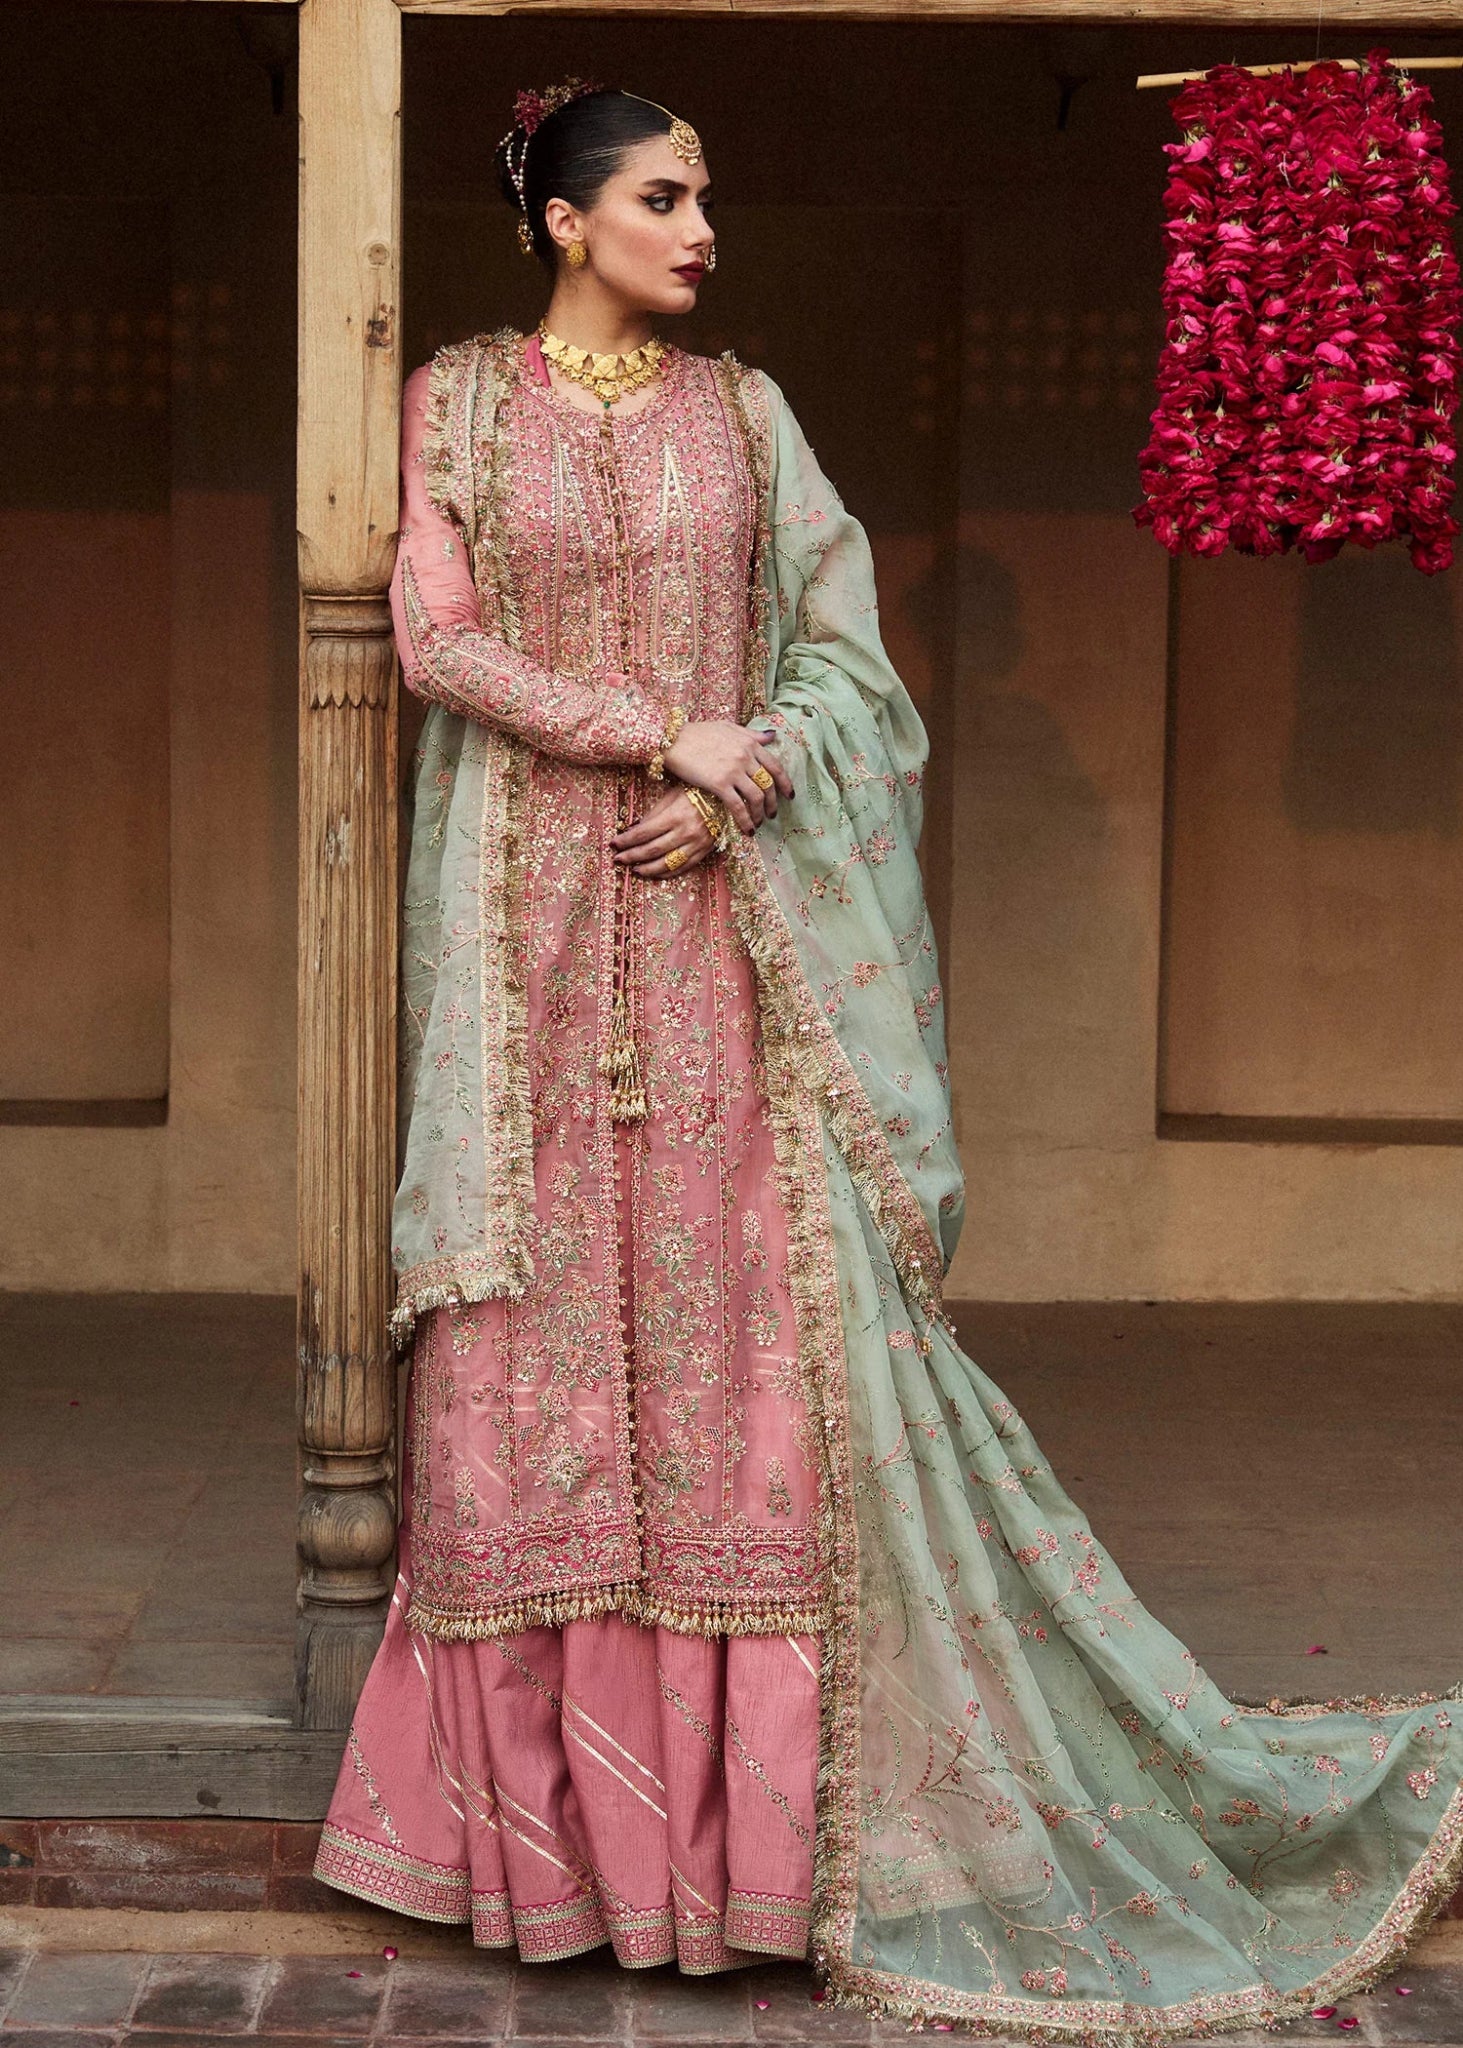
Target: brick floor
{"x": 65, "y": 1999}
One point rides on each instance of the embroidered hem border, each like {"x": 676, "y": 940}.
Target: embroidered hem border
{"x": 635, "y": 1601}
{"x": 1427, "y": 1889}
{"x": 700, "y": 1945}
{"x": 389, "y": 1877}
{"x": 767, "y": 1924}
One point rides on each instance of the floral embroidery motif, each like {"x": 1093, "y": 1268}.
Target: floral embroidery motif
{"x": 779, "y": 1500}
{"x": 465, "y": 1511}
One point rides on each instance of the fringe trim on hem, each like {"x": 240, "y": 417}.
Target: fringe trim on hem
{"x": 553, "y": 1610}
{"x": 451, "y": 1283}
{"x": 1100, "y": 2024}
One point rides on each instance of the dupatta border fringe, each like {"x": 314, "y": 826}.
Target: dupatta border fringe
{"x": 463, "y": 391}
{"x": 508, "y": 1169}
{"x": 823, "y": 1068}
{"x": 1305, "y": 1708}
{"x": 1102, "y": 2023}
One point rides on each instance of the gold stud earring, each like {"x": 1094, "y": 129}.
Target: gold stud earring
{"x": 577, "y": 255}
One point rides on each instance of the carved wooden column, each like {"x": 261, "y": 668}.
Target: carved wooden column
{"x": 350, "y": 376}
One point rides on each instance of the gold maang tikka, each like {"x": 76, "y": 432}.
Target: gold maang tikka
{"x": 683, "y": 138}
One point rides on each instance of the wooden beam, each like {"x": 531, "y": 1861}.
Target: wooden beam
{"x": 350, "y": 388}
{"x": 86, "y": 1758}
{"x": 1341, "y": 16}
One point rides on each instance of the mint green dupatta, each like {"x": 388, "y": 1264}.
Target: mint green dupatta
{"x": 1038, "y": 1815}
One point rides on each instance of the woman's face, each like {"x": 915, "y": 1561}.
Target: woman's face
{"x": 648, "y": 233}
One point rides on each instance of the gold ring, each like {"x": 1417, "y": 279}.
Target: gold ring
{"x": 762, "y": 778}
{"x": 677, "y": 857}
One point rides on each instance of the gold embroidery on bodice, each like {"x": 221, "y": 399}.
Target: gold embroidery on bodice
{"x": 633, "y": 556}
{"x": 572, "y": 595}
{"x": 675, "y": 625}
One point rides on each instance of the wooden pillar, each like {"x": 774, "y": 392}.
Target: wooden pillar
{"x": 350, "y": 379}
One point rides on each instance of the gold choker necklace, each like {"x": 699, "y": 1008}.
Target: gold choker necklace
{"x": 608, "y": 377}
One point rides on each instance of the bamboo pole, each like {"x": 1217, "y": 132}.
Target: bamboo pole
{"x": 1151, "y": 78}
{"x": 349, "y": 397}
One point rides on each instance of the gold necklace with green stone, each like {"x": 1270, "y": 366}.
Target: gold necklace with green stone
{"x": 608, "y": 376}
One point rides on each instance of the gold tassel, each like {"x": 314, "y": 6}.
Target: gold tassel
{"x": 620, "y": 1066}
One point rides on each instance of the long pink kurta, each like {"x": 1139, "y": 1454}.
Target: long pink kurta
{"x": 595, "y": 1713}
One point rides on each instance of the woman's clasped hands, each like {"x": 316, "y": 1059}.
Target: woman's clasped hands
{"x": 725, "y": 760}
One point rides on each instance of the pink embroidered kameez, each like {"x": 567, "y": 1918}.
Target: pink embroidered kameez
{"x": 595, "y": 1713}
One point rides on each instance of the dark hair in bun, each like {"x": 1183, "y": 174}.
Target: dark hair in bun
{"x": 572, "y": 154}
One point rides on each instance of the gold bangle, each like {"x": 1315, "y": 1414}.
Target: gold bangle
{"x": 711, "y": 811}
{"x": 675, "y": 719}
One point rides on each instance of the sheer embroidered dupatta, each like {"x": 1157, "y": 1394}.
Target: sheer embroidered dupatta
{"x": 1037, "y": 1814}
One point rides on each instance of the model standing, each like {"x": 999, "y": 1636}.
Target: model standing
{"x": 739, "y": 1614}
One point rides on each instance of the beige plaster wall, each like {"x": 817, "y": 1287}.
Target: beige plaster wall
{"x": 147, "y": 658}
{"x": 204, "y": 1199}
{"x": 1053, "y": 973}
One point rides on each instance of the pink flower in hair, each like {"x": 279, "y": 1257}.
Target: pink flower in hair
{"x": 528, "y": 110}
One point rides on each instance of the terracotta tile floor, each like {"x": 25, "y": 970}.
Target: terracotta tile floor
{"x": 1268, "y": 1475}
{"x": 79, "y": 2000}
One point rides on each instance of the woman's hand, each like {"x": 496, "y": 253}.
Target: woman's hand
{"x": 714, "y": 754}
{"x": 672, "y": 821}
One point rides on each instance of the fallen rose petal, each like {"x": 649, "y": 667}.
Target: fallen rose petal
{"x": 1323, "y": 2012}
{"x": 1403, "y": 1990}
{"x": 389, "y": 1953}
{"x": 763, "y": 2003}
{"x": 1348, "y": 2024}
{"x": 353, "y": 1973}
{"x": 1317, "y": 1650}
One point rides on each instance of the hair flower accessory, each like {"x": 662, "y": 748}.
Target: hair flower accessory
{"x": 531, "y": 109}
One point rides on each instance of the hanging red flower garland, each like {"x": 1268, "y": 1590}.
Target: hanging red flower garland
{"x": 1309, "y": 374}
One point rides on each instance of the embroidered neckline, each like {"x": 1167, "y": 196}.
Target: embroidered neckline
{"x": 664, "y": 390}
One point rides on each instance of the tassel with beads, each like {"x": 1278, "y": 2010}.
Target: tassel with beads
{"x": 620, "y": 1066}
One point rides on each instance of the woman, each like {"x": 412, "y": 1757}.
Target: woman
{"x": 739, "y": 1614}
